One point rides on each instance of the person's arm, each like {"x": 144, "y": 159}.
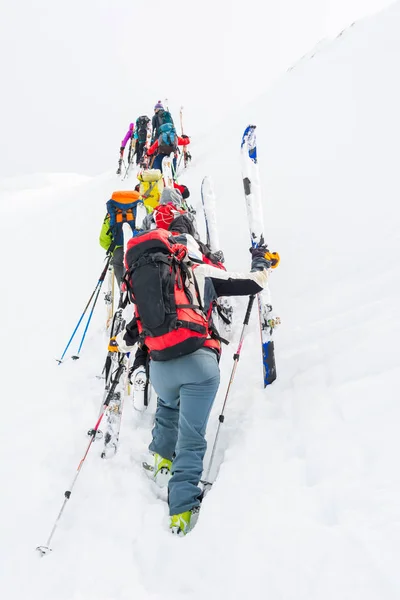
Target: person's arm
{"x": 183, "y": 141}
{"x": 152, "y": 148}
{"x": 229, "y": 283}
{"x": 154, "y": 123}
{"x": 126, "y": 138}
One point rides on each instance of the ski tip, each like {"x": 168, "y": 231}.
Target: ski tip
{"x": 249, "y": 143}
{"x": 43, "y": 550}
{"x": 250, "y": 129}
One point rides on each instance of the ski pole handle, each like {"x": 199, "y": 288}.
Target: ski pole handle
{"x": 103, "y": 274}
{"x": 248, "y": 311}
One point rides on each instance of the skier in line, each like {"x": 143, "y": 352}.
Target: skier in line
{"x": 186, "y": 386}
{"x": 139, "y": 372}
{"x": 160, "y": 151}
{"x": 107, "y": 242}
{"x": 164, "y": 139}
{"x": 121, "y": 208}
{"x": 128, "y": 136}
{"x": 150, "y": 187}
{"x": 171, "y": 205}
{"x": 140, "y": 138}
{"x": 156, "y": 121}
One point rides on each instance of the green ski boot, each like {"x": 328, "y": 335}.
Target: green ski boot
{"x": 184, "y": 522}
{"x": 160, "y": 471}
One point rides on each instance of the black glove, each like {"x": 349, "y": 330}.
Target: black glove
{"x": 121, "y": 150}
{"x": 184, "y": 137}
{"x": 185, "y": 193}
{"x": 217, "y": 257}
{"x": 259, "y": 262}
{"x": 131, "y": 333}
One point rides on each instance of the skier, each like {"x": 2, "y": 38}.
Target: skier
{"x": 171, "y": 205}
{"x": 156, "y": 121}
{"x": 150, "y": 187}
{"x": 184, "y": 367}
{"x": 121, "y": 208}
{"x": 139, "y": 372}
{"x": 164, "y": 138}
{"x": 160, "y": 150}
{"x": 129, "y": 136}
{"x": 141, "y": 137}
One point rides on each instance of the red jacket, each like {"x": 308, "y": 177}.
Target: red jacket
{"x": 181, "y": 142}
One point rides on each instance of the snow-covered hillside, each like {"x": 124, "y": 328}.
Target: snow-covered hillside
{"x": 306, "y": 505}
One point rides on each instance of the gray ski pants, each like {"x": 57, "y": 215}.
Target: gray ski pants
{"x": 186, "y": 388}
{"x": 118, "y": 264}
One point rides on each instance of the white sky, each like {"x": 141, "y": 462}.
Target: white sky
{"x": 76, "y": 73}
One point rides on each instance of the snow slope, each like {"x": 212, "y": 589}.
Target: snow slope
{"x": 306, "y": 504}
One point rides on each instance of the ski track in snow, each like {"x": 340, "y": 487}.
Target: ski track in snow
{"x": 306, "y": 505}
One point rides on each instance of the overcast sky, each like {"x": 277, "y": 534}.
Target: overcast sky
{"x": 75, "y": 73}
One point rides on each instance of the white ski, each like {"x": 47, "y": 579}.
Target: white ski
{"x": 109, "y": 295}
{"x": 252, "y": 191}
{"x": 167, "y": 171}
{"x": 225, "y": 308}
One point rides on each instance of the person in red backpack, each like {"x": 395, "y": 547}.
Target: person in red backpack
{"x": 184, "y": 352}
{"x": 138, "y": 373}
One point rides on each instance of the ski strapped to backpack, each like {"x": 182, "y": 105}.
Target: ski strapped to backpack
{"x": 170, "y": 318}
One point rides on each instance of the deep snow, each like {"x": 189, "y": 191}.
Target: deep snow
{"x": 306, "y": 504}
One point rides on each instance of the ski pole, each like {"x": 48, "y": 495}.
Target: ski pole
{"x": 43, "y": 550}
{"x": 174, "y": 173}
{"x": 181, "y": 119}
{"x": 99, "y": 283}
{"x": 184, "y": 147}
{"x": 186, "y": 154}
{"x": 76, "y": 356}
{"x": 221, "y": 417}
{"x": 180, "y": 160}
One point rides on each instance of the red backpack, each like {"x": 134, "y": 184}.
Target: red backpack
{"x": 164, "y": 214}
{"x": 163, "y": 288}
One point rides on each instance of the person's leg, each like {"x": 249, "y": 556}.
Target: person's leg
{"x": 196, "y": 400}
{"x": 139, "y": 151}
{"x": 157, "y": 164}
{"x": 165, "y": 431}
{"x": 118, "y": 264}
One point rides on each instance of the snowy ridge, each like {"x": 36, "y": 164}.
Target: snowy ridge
{"x": 306, "y": 503}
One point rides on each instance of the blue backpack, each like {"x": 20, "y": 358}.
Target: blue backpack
{"x": 168, "y": 140}
{"x": 122, "y": 209}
